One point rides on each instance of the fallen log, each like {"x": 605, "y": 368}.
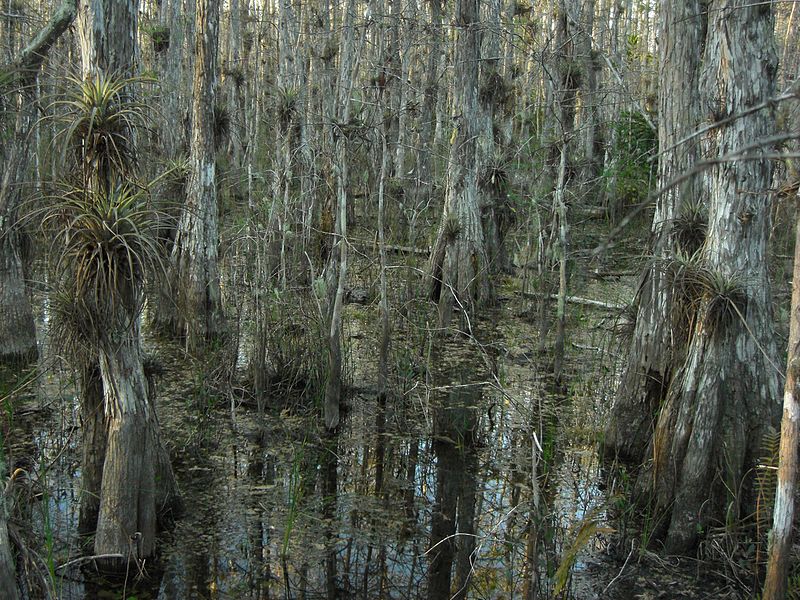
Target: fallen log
{"x": 579, "y": 300}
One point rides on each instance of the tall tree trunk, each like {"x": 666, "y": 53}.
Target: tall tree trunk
{"x": 591, "y": 63}
{"x": 425, "y": 172}
{"x": 194, "y": 257}
{"x": 659, "y": 334}
{"x": 566, "y": 86}
{"x": 8, "y": 580}
{"x": 493, "y": 177}
{"x": 726, "y": 395}
{"x": 107, "y": 32}
{"x": 459, "y": 266}
{"x": 336, "y": 270}
{"x": 17, "y": 330}
{"x": 122, "y": 448}
{"x": 780, "y": 539}
{"x": 94, "y": 429}
{"x": 126, "y": 523}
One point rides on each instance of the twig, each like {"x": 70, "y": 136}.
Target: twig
{"x": 613, "y": 581}
{"x": 85, "y": 559}
{"x": 578, "y": 300}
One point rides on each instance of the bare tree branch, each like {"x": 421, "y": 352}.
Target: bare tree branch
{"x": 34, "y": 53}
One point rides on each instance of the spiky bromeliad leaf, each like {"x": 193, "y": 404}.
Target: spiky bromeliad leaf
{"x": 99, "y": 117}
{"x": 108, "y": 247}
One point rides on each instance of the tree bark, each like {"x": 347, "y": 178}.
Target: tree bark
{"x": 780, "y": 539}
{"x": 659, "y": 334}
{"x": 8, "y": 580}
{"x": 107, "y": 33}
{"x": 94, "y": 440}
{"x": 459, "y": 266}
{"x": 195, "y": 256}
{"x": 127, "y": 520}
{"x": 725, "y": 396}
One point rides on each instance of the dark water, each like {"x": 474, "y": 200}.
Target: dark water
{"x": 471, "y": 480}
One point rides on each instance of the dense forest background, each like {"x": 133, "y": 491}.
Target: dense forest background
{"x": 394, "y": 299}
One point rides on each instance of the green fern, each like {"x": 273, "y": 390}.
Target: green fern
{"x": 766, "y": 485}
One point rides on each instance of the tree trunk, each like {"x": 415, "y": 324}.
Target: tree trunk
{"x": 8, "y": 580}
{"x": 425, "y": 173}
{"x": 336, "y": 270}
{"x": 780, "y": 539}
{"x": 107, "y": 32}
{"x": 94, "y": 440}
{"x": 591, "y": 63}
{"x": 121, "y": 447}
{"x": 17, "y": 330}
{"x": 493, "y": 177}
{"x": 659, "y": 334}
{"x": 725, "y": 397}
{"x": 127, "y": 521}
{"x": 561, "y": 251}
{"x": 459, "y": 267}
{"x": 17, "y": 333}
{"x": 194, "y": 256}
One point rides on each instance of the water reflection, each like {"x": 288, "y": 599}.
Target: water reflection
{"x": 439, "y": 492}
{"x": 453, "y": 518}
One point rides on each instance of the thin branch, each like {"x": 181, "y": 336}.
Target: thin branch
{"x": 792, "y": 94}
{"x": 33, "y": 54}
{"x": 85, "y": 559}
{"x": 741, "y": 154}
{"x": 625, "y": 564}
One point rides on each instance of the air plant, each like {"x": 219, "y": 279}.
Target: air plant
{"x": 222, "y": 124}
{"x": 496, "y": 175}
{"x": 698, "y": 288}
{"x": 100, "y": 117}
{"x": 286, "y": 105}
{"x": 107, "y": 245}
{"x": 690, "y": 227}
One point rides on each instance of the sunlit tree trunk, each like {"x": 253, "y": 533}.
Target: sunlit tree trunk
{"x": 126, "y": 523}
{"x": 659, "y": 334}
{"x": 780, "y": 538}
{"x": 107, "y": 32}
{"x": 459, "y": 266}
{"x": 123, "y": 449}
{"x": 194, "y": 257}
{"x": 725, "y": 397}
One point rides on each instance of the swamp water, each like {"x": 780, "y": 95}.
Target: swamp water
{"x": 471, "y": 480}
